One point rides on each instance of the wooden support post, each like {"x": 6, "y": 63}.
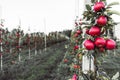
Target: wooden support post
{"x": 1, "y": 46}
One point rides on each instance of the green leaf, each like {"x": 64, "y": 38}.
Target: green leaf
{"x": 88, "y": 18}
{"x": 85, "y": 23}
{"x": 108, "y": 7}
{"x": 103, "y": 0}
{"x": 92, "y": 1}
{"x": 92, "y": 20}
{"x": 113, "y": 12}
{"x": 88, "y": 7}
{"x": 113, "y": 3}
{"x": 116, "y": 76}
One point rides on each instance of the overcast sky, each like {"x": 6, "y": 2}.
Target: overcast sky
{"x": 58, "y": 14}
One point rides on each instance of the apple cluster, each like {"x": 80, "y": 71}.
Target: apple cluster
{"x": 77, "y": 33}
{"x": 95, "y": 31}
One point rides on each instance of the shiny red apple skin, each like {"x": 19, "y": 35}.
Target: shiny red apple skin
{"x": 76, "y": 47}
{"x": 98, "y": 6}
{"x": 110, "y": 44}
{"x": 94, "y": 31}
{"x": 101, "y": 49}
{"x": 89, "y": 45}
{"x": 75, "y": 35}
{"x": 102, "y": 21}
{"x": 100, "y": 42}
{"x": 78, "y": 31}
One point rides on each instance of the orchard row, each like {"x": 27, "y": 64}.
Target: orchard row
{"x": 13, "y": 44}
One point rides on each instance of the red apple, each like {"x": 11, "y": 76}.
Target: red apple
{"x": 76, "y": 66}
{"x": 98, "y": 6}
{"x": 100, "y": 42}
{"x": 76, "y": 47}
{"x": 75, "y": 35}
{"x": 101, "y": 49}
{"x": 102, "y": 20}
{"x": 65, "y": 60}
{"x": 74, "y": 77}
{"x": 110, "y": 44}
{"x": 87, "y": 31}
{"x": 94, "y": 31}
{"x": 78, "y": 31}
{"x": 89, "y": 45}
{"x": 0, "y": 40}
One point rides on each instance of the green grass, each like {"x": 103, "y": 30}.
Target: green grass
{"x": 40, "y": 67}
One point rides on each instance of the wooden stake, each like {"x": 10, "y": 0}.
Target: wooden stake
{"x": 45, "y": 34}
{"x": 1, "y": 48}
{"x": 29, "y": 44}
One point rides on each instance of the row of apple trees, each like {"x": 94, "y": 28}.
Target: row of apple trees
{"x": 14, "y": 44}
